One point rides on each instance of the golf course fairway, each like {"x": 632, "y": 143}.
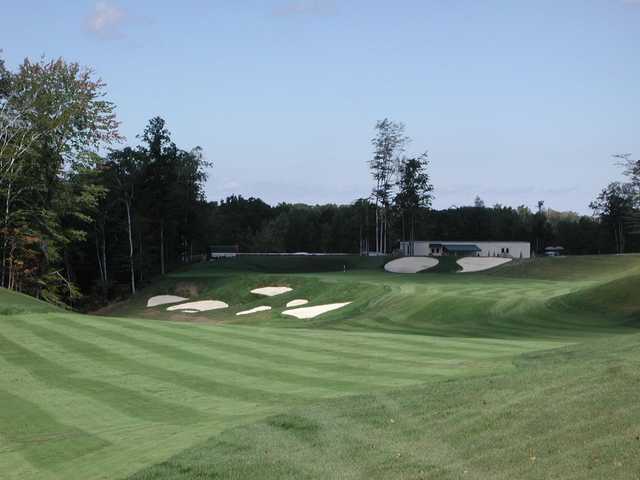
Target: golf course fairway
{"x": 530, "y": 370}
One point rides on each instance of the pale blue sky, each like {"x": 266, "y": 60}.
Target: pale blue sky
{"x": 516, "y": 101}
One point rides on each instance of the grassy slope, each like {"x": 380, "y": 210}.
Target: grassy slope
{"x": 568, "y": 414}
{"x": 100, "y": 397}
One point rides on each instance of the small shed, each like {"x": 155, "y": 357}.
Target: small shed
{"x": 553, "y": 251}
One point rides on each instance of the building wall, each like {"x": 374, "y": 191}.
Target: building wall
{"x": 214, "y": 255}
{"x": 488, "y": 249}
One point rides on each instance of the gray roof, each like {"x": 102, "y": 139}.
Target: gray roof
{"x": 453, "y": 247}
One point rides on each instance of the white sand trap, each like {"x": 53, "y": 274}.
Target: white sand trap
{"x": 164, "y": 300}
{"x": 410, "y": 264}
{"x": 312, "y": 312}
{"x": 262, "y": 308}
{"x": 478, "y": 264}
{"x": 202, "y": 306}
{"x": 271, "y": 291}
{"x": 297, "y": 303}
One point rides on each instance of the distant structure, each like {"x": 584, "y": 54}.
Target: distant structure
{"x": 553, "y": 251}
{"x": 222, "y": 251}
{"x": 437, "y": 248}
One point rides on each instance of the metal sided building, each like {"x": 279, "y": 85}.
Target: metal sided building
{"x": 437, "y": 248}
{"x": 222, "y": 251}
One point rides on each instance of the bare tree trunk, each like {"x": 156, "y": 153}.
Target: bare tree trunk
{"x": 413, "y": 234}
{"x": 131, "y": 268}
{"x": 404, "y": 233}
{"x": 99, "y": 257}
{"x": 141, "y": 259}
{"x": 621, "y": 238}
{"x": 5, "y": 242}
{"x": 104, "y": 257}
{"x": 380, "y": 231}
{"x": 384, "y": 231}
{"x": 377, "y": 229}
{"x": 11, "y": 279}
{"x": 162, "y": 246}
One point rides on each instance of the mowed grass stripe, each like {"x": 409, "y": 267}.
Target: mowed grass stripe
{"x": 285, "y": 340}
{"x": 393, "y": 344}
{"x": 359, "y": 350}
{"x": 216, "y": 391}
{"x": 297, "y": 373}
{"x": 213, "y": 364}
{"x": 216, "y": 383}
{"x": 419, "y": 345}
{"x": 412, "y": 367}
{"x": 487, "y": 345}
{"x": 334, "y": 364}
{"x": 38, "y": 435}
{"x": 336, "y": 344}
{"x": 127, "y": 401}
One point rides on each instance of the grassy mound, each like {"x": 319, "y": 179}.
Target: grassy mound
{"x": 618, "y": 296}
{"x": 12, "y": 303}
{"x": 579, "y": 268}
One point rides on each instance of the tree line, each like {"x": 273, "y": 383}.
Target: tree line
{"x": 256, "y": 226}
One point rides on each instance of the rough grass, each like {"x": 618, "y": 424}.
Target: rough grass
{"x": 526, "y": 372}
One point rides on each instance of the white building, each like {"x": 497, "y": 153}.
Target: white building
{"x": 436, "y": 248}
{"x": 222, "y": 251}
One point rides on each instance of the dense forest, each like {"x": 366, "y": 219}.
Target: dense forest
{"x": 85, "y": 220}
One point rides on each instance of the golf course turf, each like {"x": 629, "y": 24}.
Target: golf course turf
{"x": 530, "y": 370}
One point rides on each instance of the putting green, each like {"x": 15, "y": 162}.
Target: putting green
{"x": 105, "y": 396}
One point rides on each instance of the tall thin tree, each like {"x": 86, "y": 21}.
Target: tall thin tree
{"x": 388, "y": 144}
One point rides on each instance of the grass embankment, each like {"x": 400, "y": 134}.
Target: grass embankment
{"x": 570, "y": 413}
{"x": 527, "y": 372}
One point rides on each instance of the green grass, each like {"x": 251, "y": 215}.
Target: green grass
{"x": 293, "y": 263}
{"x": 529, "y": 371}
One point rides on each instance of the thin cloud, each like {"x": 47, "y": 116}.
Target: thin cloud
{"x": 631, "y": 3}
{"x": 305, "y": 8}
{"x": 106, "y": 20}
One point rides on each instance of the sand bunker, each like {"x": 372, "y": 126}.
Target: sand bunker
{"x": 297, "y": 303}
{"x": 202, "y": 306}
{"x": 271, "y": 291}
{"x": 262, "y": 308}
{"x": 312, "y": 312}
{"x": 478, "y": 264}
{"x": 164, "y": 300}
{"x": 410, "y": 264}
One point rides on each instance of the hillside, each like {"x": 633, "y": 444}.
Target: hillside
{"x": 529, "y": 371}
